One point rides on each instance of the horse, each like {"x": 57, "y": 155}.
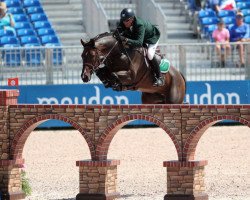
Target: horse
{"x": 123, "y": 68}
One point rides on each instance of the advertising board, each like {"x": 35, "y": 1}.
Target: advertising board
{"x": 207, "y": 92}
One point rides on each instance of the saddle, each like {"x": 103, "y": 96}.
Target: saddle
{"x": 164, "y": 63}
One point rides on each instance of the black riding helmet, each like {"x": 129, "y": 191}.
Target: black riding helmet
{"x": 127, "y": 13}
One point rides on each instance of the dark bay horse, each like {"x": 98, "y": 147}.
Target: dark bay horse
{"x": 127, "y": 69}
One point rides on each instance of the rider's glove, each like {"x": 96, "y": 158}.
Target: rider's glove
{"x": 124, "y": 39}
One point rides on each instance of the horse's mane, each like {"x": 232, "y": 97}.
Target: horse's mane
{"x": 91, "y": 42}
{"x": 102, "y": 35}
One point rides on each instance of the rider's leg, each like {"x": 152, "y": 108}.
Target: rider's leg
{"x": 154, "y": 65}
{"x": 156, "y": 70}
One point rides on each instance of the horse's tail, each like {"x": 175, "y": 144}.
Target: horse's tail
{"x": 184, "y": 82}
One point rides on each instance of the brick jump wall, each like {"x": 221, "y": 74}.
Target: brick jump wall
{"x": 98, "y": 124}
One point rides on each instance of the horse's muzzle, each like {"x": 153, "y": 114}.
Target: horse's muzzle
{"x": 85, "y": 78}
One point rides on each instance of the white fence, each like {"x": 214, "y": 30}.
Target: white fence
{"x": 63, "y": 65}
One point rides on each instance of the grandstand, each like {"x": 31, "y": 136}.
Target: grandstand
{"x": 46, "y": 49}
{"x": 66, "y": 17}
{"x": 178, "y": 27}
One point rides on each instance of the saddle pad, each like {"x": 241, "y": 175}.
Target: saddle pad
{"x": 164, "y": 65}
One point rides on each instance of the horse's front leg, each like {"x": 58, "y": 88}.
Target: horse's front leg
{"x": 109, "y": 79}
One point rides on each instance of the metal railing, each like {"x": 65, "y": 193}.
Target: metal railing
{"x": 94, "y": 17}
{"x": 155, "y": 15}
{"x": 104, "y": 15}
{"x": 63, "y": 65}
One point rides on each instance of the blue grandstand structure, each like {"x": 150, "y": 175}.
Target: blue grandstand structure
{"x": 32, "y": 29}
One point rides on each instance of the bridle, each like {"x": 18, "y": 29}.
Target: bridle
{"x": 100, "y": 58}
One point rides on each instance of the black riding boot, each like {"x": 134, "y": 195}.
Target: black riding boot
{"x": 158, "y": 80}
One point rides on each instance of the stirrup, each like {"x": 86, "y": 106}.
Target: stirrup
{"x": 158, "y": 82}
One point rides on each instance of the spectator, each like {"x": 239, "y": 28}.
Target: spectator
{"x": 239, "y": 32}
{"x": 7, "y": 21}
{"x": 221, "y": 37}
{"x": 218, "y": 5}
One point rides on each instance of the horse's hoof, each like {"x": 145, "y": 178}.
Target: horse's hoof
{"x": 117, "y": 87}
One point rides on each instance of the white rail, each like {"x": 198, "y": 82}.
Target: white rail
{"x": 63, "y": 65}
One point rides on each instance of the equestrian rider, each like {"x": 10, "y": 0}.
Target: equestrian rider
{"x": 136, "y": 32}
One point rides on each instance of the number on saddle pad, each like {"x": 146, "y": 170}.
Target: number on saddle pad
{"x": 164, "y": 65}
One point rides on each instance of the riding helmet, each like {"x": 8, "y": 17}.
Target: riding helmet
{"x": 127, "y": 13}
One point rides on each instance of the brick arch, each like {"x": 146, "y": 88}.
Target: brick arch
{"x": 22, "y": 134}
{"x": 194, "y": 137}
{"x": 108, "y": 134}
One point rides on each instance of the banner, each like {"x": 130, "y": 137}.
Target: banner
{"x": 202, "y": 92}
{"x": 13, "y": 81}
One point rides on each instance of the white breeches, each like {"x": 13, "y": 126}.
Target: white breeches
{"x": 151, "y": 50}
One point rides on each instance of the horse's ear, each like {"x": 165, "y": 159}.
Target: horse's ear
{"x": 82, "y": 42}
{"x": 92, "y": 43}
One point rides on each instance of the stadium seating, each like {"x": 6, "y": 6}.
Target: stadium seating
{"x": 228, "y": 20}
{"x": 206, "y": 13}
{"x": 243, "y": 5}
{"x": 10, "y": 56}
{"x": 13, "y": 3}
{"x": 33, "y": 29}
{"x": 246, "y": 12}
{"x": 31, "y": 3}
{"x": 209, "y": 32}
{"x": 45, "y": 31}
{"x": 9, "y": 40}
{"x": 42, "y": 24}
{"x": 16, "y": 10}
{"x": 226, "y": 13}
{"x": 247, "y": 19}
{"x": 22, "y": 25}
{"x": 33, "y": 56}
{"x": 25, "y": 32}
{"x": 30, "y": 39}
{"x": 20, "y": 18}
{"x": 34, "y": 9}
{"x": 38, "y": 17}
{"x": 6, "y": 33}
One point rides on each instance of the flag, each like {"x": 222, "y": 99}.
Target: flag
{"x": 13, "y": 81}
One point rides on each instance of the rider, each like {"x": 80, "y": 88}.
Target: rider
{"x": 136, "y": 32}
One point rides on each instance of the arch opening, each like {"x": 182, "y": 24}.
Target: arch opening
{"x": 142, "y": 152}
{"x": 50, "y": 162}
{"x": 227, "y": 150}
{"x": 108, "y": 134}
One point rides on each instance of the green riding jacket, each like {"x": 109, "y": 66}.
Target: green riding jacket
{"x": 141, "y": 32}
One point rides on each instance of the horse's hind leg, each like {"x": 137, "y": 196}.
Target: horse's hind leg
{"x": 177, "y": 89}
{"x": 152, "y": 98}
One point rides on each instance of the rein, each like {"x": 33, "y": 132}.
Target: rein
{"x": 105, "y": 58}
{"x": 93, "y": 66}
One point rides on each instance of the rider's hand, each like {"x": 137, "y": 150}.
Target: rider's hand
{"x": 124, "y": 39}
